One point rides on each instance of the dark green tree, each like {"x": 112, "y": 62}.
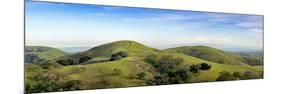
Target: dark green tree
{"x": 194, "y": 68}
{"x": 84, "y": 59}
{"x": 123, "y": 54}
{"x": 205, "y": 66}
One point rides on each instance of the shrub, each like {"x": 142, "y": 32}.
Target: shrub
{"x": 115, "y": 57}
{"x": 194, "y": 68}
{"x": 119, "y": 55}
{"x": 123, "y": 54}
{"x": 205, "y": 66}
{"x": 49, "y": 65}
{"x": 47, "y": 82}
{"x": 77, "y": 69}
{"x": 75, "y": 85}
{"x": 105, "y": 81}
{"x": 65, "y": 62}
{"x": 84, "y": 59}
{"x": 117, "y": 72}
{"x": 226, "y": 76}
{"x": 249, "y": 75}
{"x": 141, "y": 75}
{"x": 237, "y": 74}
{"x": 161, "y": 80}
{"x": 166, "y": 63}
{"x": 151, "y": 59}
{"x": 30, "y": 57}
{"x": 178, "y": 76}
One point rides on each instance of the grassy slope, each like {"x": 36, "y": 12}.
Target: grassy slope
{"x": 134, "y": 64}
{"x": 209, "y": 54}
{"x": 104, "y": 51}
{"x": 48, "y": 53}
{"x": 95, "y": 72}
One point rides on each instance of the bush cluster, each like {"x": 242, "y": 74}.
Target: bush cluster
{"x": 118, "y": 55}
{"x": 226, "y": 76}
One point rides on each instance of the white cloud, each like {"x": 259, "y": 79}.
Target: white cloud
{"x": 247, "y": 24}
{"x": 255, "y": 30}
{"x": 167, "y": 17}
{"x": 251, "y": 22}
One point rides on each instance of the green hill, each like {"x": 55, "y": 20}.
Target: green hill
{"x": 33, "y": 53}
{"x": 104, "y": 52}
{"x": 209, "y": 54}
{"x": 122, "y": 72}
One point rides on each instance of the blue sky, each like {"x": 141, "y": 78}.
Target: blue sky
{"x": 75, "y": 25}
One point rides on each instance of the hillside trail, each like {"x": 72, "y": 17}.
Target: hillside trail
{"x": 129, "y": 45}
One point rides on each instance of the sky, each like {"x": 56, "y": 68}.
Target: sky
{"x": 81, "y": 25}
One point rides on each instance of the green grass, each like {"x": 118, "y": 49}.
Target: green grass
{"x": 96, "y": 73}
{"x": 133, "y": 65}
{"x": 104, "y": 52}
{"x": 209, "y": 54}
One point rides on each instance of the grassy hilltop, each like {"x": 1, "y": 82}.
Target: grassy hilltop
{"x": 129, "y": 63}
{"x": 209, "y": 54}
{"x": 33, "y": 53}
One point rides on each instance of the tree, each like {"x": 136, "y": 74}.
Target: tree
{"x": 118, "y": 55}
{"x": 84, "y": 59}
{"x": 167, "y": 62}
{"x": 65, "y": 62}
{"x": 205, "y": 66}
{"x": 178, "y": 76}
{"x": 115, "y": 57}
{"x": 123, "y": 54}
{"x": 194, "y": 68}
{"x": 237, "y": 75}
